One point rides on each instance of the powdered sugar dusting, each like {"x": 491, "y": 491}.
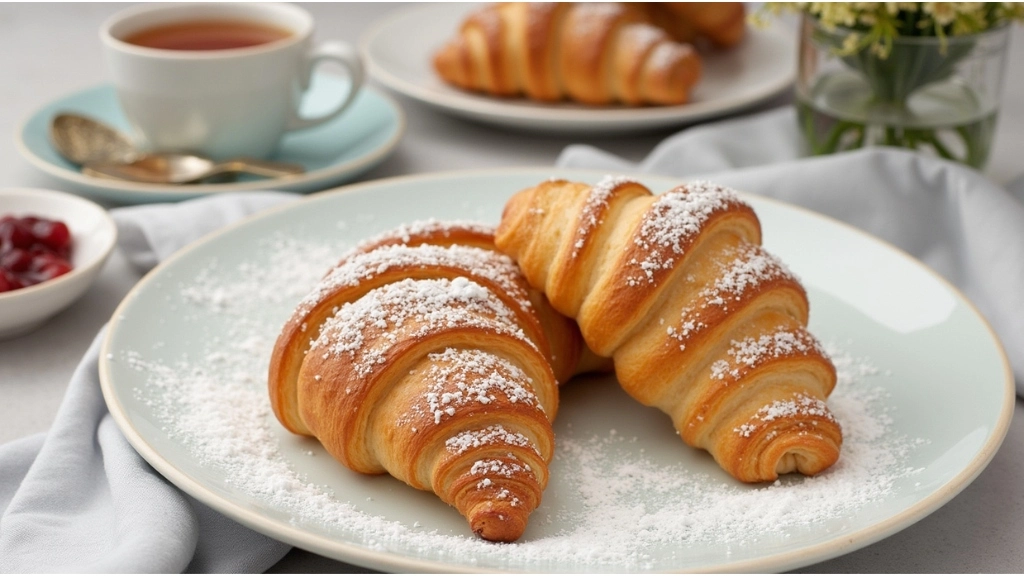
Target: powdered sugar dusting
{"x": 799, "y": 405}
{"x": 752, "y": 351}
{"x": 491, "y": 435}
{"x": 469, "y": 377}
{"x": 420, "y": 306}
{"x": 612, "y": 504}
{"x": 406, "y": 232}
{"x": 671, "y": 223}
{"x": 741, "y": 270}
{"x": 505, "y": 468}
{"x": 293, "y": 266}
{"x": 595, "y": 204}
{"x": 360, "y": 267}
{"x": 745, "y": 267}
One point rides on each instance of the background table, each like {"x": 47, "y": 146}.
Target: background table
{"x": 51, "y": 50}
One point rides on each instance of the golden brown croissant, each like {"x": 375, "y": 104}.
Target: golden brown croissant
{"x": 593, "y": 53}
{"x": 700, "y": 320}
{"x": 424, "y": 354}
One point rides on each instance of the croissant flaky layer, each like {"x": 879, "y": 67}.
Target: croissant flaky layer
{"x": 425, "y": 354}
{"x": 700, "y": 320}
{"x": 593, "y": 53}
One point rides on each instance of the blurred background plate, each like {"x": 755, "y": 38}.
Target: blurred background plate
{"x": 398, "y": 53}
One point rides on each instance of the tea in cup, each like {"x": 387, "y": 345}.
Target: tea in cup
{"x": 221, "y": 80}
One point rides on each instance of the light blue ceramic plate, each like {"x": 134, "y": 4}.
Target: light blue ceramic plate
{"x": 333, "y": 153}
{"x": 925, "y": 398}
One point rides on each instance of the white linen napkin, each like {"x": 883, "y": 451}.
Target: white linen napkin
{"x": 965, "y": 227}
{"x": 79, "y": 498}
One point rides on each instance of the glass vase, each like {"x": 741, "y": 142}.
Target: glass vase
{"x": 935, "y": 95}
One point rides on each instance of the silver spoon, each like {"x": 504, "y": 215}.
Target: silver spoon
{"x": 104, "y": 152}
{"x": 167, "y": 168}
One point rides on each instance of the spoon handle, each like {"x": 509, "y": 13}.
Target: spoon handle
{"x": 258, "y": 167}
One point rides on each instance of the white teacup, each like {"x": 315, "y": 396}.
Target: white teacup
{"x": 221, "y": 103}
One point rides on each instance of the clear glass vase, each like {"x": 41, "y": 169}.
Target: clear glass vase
{"x": 939, "y": 96}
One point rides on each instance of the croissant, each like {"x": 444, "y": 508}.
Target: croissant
{"x": 592, "y": 53}
{"x": 425, "y": 354}
{"x": 700, "y": 321}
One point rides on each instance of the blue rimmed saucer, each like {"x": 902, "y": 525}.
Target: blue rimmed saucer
{"x": 333, "y": 153}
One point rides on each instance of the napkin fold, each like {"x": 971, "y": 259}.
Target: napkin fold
{"x": 79, "y": 498}
{"x": 965, "y": 227}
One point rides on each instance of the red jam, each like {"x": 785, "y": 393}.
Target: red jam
{"x": 32, "y": 250}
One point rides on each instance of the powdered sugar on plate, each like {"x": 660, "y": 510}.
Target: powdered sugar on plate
{"x": 622, "y": 496}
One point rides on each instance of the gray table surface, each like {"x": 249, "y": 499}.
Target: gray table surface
{"x": 50, "y": 50}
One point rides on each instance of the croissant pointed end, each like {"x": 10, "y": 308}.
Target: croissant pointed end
{"x": 498, "y": 524}
{"x": 515, "y": 208}
{"x": 805, "y": 453}
{"x": 449, "y": 62}
{"x": 497, "y": 496}
{"x": 808, "y": 462}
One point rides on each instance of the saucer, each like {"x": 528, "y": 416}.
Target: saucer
{"x": 333, "y": 153}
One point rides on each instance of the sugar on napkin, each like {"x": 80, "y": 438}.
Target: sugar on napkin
{"x": 965, "y": 227}
{"x": 79, "y": 498}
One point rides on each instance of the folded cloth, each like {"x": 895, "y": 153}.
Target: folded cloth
{"x": 81, "y": 499}
{"x": 968, "y": 229}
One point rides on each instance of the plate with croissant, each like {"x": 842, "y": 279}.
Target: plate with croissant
{"x": 581, "y": 67}
{"x": 544, "y": 370}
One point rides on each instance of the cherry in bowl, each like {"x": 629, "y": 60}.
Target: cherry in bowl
{"x": 52, "y": 247}
{"x": 33, "y": 249}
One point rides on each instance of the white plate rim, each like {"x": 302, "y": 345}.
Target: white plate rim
{"x": 533, "y": 116}
{"x": 191, "y": 191}
{"x": 361, "y": 556}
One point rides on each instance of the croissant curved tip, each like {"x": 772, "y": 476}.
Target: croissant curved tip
{"x": 514, "y": 210}
{"x": 498, "y": 525}
{"x": 806, "y": 464}
{"x": 807, "y": 447}
{"x": 817, "y": 455}
{"x": 448, "y": 62}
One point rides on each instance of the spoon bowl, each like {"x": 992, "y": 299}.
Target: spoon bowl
{"x": 104, "y": 152}
{"x": 81, "y": 139}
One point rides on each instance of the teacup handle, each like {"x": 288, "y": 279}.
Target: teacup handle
{"x": 341, "y": 53}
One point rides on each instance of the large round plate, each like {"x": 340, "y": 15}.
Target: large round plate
{"x": 398, "y": 53}
{"x": 925, "y": 396}
{"x": 332, "y": 153}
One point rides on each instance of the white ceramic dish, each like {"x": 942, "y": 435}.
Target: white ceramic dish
{"x": 93, "y": 235}
{"x": 336, "y": 152}
{"x": 925, "y": 397}
{"x": 398, "y": 53}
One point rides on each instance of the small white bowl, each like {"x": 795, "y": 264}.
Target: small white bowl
{"x": 93, "y": 235}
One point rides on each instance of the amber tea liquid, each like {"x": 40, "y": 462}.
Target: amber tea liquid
{"x": 207, "y": 35}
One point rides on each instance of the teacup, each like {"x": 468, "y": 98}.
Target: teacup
{"x": 221, "y": 80}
